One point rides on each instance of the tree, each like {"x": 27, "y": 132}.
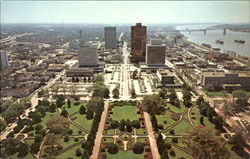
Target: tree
{"x": 237, "y": 141}
{"x": 95, "y": 103}
{"x": 60, "y": 100}
{"x": 187, "y": 103}
{"x": 22, "y": 150}
{"x": 172, "y": 96}
{"x": 153, "y": 104}
{"x": 58, "y": 124}
{"x": 114, "y": 124}
{"x": 122, "y": 125}
{"x": 85, "y": 154}
{"x": 82, "y": 110}
{"x": 134, "y": 74}
{"x": 106, "y": 93}
{"x": 199, "y": 100}
{"x": 2, "y": 123}
{"x": 159, "y": 139}
{"x": 204, "y": 144}
{"x": 68, "y": 102}
{"x": 89, "y": 114}
{"x": 136, "y": 124}
{"x": 138, "y": 148}
{"x": 66, "y": 138}
{"x": 98, "y": 78}
{"x": 38, "y": 127}
{"x": 116, "y": 92}
{"x": 133, "y": 94}
{"x": 172, "y": 153}
{"x": 78, "y": 152}
{"x": 241, "y": 98}
{"x": 163, "y": 93}
{"x": 202, "y": 120}
{"x": 175, "y": 140}
{"x": 64, "y": 113}
{"x": 165, "y": 154}
{"x": 112, "y": 148}
{"x": 128, "y": 125}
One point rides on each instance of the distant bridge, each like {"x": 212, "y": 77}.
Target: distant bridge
{"x": 202, "y": 30}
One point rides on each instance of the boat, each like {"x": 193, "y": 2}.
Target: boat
{"x": 206, "y": 45}
{"x": 219, "y": 41}
{"x": 239, "y": 41}
{"x": 216, "y": 49}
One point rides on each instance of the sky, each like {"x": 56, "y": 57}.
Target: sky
{"x": 125, "y": 11}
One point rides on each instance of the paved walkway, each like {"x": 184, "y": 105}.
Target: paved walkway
{"x": 153, "y": 145}
{"x": 99, "y": 133}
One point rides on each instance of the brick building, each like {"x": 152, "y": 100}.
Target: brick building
{"x": 138, "y": 43}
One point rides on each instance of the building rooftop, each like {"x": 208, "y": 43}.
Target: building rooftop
{"x": 216, "y": 74}
{"x": 164, "y": 72}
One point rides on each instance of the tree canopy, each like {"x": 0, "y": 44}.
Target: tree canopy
{"x": 203, "y": 144}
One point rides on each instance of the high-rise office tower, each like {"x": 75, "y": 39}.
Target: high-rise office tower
{"x": 4, "y": 59}
{"x": 138, "y": 43}
{"x": 87, "y": 55}
{"x": 155, "y": 53}
{"x": 110, "y": 37}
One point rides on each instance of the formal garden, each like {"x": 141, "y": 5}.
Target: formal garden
{"x": 61, "y": 129}
{"x": 125, "y": 135}
{"x": 177, "y": 122}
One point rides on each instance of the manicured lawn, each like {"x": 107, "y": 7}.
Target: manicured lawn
{"x": 74, "y": 128}
{"x": 46, "y": 118}
{"x": 162, "y": 118}
{"x": 212, "y": 94}
{"x": 83, "y": 121}
{"x": 70, "y": 142}
{"x": 74, "y": 108}
{"x": 176, "y": 109}
{"x": 182, "y": 128}
{"x": 125, "y": 155}
{"x": 125, "y": 112}
{"x": 141, "y": 131}
{"x": 197, "y": 120}
{"x": 28, "y": 156}
{"x": 108, "y": 139}
{"x": 69, "y": 154}
{"x": 110, "y": 132}
{"x": 29, "y": 141}
{"x": 142, "y": 139}
{"x": 179, "y": 154}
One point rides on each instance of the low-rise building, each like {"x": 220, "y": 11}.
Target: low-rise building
{"x": 225, "y": 80}
{"x": 80, "y": 72}
{"x": 165, "y": 78}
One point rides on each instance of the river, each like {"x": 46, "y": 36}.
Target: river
{"x": 212, "y": 35}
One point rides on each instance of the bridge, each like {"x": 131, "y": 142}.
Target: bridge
{"x": 202, "y": 30}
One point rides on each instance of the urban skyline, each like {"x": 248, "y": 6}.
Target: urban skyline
{"x": 156, "y": 86}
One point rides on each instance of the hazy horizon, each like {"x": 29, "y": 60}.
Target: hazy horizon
{"x": 120, "y": 12}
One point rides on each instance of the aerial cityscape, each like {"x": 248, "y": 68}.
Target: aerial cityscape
{"x": 125, "y": 80}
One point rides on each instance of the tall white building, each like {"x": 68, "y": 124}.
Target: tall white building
{"x": 110, "y": 37}
{"x": 87, "y": 55}
{"x": 4, "y": 59}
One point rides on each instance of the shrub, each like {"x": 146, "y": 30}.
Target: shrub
{"x": 172, "y": 153}
{"x": 138, "y": 148}
{"x": 112, "y": 148}
{"x": 76, "y": 139}
{"x": 175, "y": 140}
{"x": 147, "y": 148}
{"x": 66, "y": 138}
{"x": 78, "y": 152}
